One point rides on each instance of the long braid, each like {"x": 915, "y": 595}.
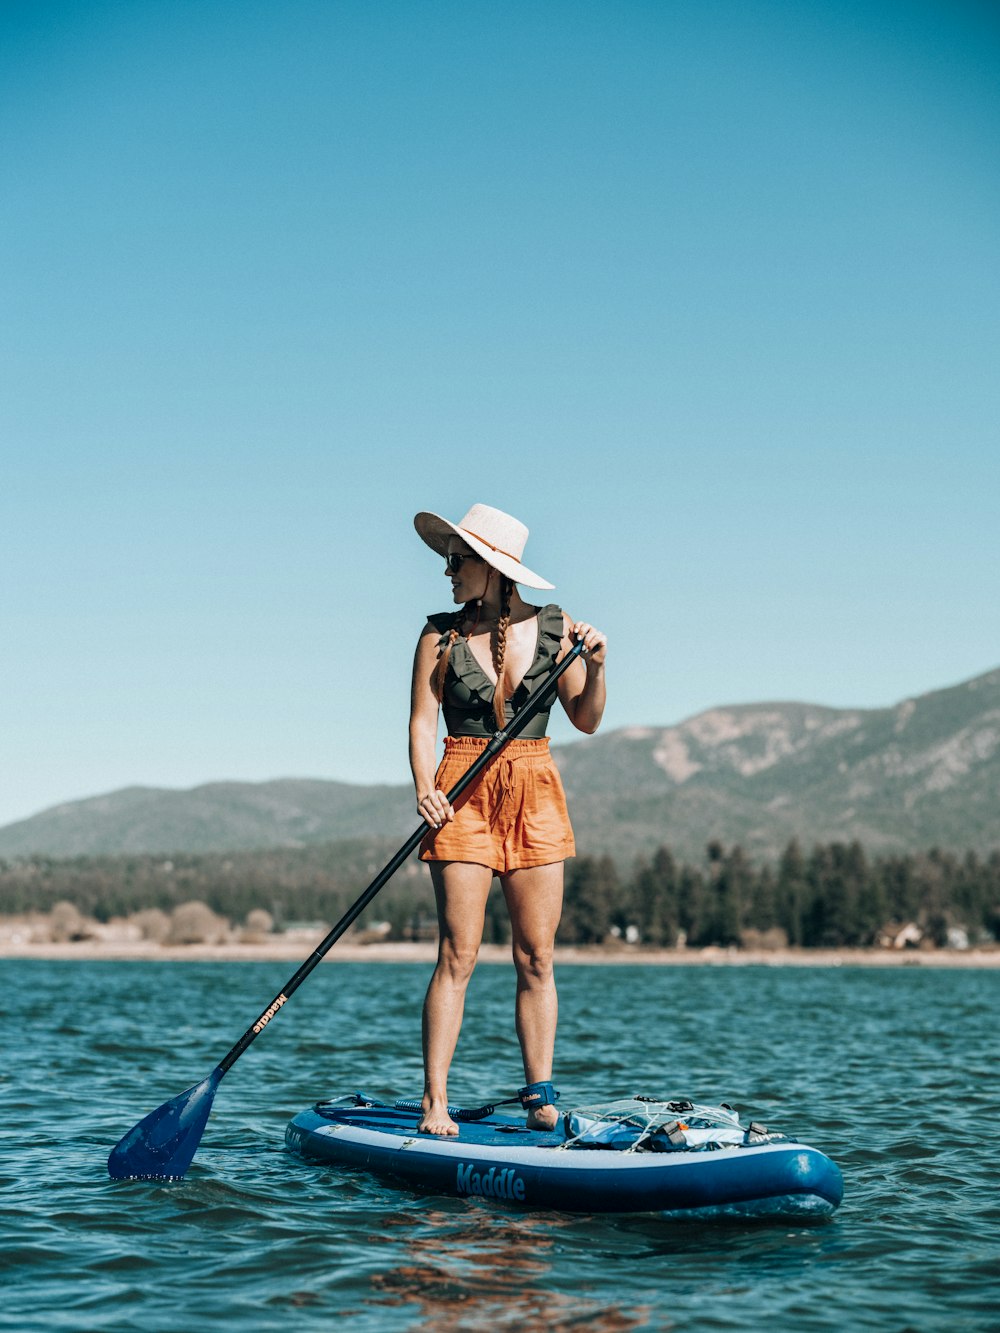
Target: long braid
{"x": 500, "y": 652}
{"x": 441, "y": 667}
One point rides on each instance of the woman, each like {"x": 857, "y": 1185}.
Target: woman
{"x": 479, "y": 663}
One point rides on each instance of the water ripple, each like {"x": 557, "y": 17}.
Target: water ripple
{"x": 891, "y": 1072}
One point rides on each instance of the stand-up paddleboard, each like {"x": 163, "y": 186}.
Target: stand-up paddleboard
{"x": 675, "y": 1158}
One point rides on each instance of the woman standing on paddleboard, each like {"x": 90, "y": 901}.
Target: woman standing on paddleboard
{"x": 479, "y": 663}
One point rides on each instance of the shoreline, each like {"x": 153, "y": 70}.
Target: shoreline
{"x": 295, "y": 948}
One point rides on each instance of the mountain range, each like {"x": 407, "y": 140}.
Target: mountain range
{"x": 923, "y": 773}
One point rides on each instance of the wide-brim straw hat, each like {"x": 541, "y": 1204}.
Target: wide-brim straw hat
{"x": 491, "y": 533}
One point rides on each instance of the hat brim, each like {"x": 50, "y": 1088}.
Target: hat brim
{"x": 437, "y": 532}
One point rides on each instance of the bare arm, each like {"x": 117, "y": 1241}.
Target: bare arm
{"x": 432, "y": 804}
{"x": 582, "y": 690}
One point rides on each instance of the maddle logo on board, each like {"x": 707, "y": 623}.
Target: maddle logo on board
{"x": 492, "y": 1184}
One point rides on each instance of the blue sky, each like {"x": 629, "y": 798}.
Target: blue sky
{"x": 706, "y": 293}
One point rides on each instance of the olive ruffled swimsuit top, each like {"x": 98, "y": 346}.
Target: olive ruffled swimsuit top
{"x": 468, "y": 691}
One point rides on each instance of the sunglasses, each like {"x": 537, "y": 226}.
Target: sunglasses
{"x": 455, "y": 559}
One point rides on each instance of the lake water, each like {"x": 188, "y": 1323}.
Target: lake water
{"x": 892, "y": 1072}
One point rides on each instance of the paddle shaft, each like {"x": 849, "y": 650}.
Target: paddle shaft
{"x": 493, "y": 748}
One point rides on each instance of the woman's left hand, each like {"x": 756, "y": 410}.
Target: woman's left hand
{"x": 593, "y": 640}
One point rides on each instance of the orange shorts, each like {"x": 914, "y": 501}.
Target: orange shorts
{"x": 514, "y": 816}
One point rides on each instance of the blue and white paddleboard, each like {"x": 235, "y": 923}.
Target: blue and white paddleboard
{"x": 681, "y": 1161}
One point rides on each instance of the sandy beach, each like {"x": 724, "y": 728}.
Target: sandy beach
{"x": 115, "y": 942}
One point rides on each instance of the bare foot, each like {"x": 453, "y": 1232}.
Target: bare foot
{"x": 436, "y": 1120}
{"x": 543, "y": 1117}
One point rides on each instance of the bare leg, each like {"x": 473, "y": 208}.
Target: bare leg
{"x": 534, "y": 901}
{"x": 461, "y": 891}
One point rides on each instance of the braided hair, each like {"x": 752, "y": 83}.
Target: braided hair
{"x": 500, "y": 652}
{"x": 441, "y": 666}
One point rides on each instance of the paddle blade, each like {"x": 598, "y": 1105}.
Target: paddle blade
{"x": 161, "y": 1146}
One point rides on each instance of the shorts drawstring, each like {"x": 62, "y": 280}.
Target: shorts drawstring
{"x": 503, "y": 787}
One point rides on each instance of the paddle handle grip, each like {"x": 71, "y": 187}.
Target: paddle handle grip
{"x": 493, "y": 748}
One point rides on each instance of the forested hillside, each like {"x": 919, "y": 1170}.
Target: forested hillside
{"x": 832, "y": 895}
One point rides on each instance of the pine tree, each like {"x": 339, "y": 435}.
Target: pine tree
{"x": 793, "y": 893}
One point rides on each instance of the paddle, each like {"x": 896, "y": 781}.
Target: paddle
{"x": 161, "y": 1146}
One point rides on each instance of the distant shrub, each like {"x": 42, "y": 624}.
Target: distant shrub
{"x": 152, "y": 924}
{"x": 258, "y": 925}
{"x": 764, "y": 941}
{"x": 67, "y": 923}
{"x": 195, "y": 923}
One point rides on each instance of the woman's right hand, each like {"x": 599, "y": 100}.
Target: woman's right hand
{"x": 434, "y": 808}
